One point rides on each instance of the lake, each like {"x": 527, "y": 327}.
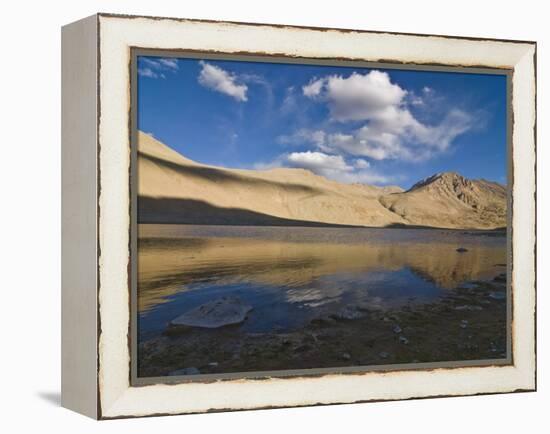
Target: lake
{"x": 292, "y": 275}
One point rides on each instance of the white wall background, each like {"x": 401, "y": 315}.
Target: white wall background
{"x": 30, "y": 216}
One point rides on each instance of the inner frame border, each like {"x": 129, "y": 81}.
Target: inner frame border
{"x": 136, "y": 381}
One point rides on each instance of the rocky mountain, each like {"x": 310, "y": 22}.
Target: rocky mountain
{"x": 451, "y": 200}
{"x": 174, "y": 189}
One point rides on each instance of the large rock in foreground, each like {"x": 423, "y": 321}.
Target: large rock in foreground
{"x": 213, "y": 314}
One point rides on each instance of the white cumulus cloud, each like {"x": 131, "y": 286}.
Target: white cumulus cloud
{"x": 216, "y": 78}
{"x": 390, "y": 130}
{"x": 357, "y": 97}
{"x": 318, "y": 161}
{"x": 313, "y": 88}
{"x": 333, "y": 167}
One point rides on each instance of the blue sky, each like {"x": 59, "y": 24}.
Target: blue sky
{"x": 376, "y": 126}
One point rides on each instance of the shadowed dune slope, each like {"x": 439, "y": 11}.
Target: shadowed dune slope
{"x": 174, "y": 189}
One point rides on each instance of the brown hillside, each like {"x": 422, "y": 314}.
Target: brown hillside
{"x": 450, "y": 200}
{"x": 174, "y": 189}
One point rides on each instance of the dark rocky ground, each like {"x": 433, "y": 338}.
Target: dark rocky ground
{"x": 469, "y": 323}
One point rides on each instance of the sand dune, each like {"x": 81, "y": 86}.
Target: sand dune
{"x": 174, "y": 189}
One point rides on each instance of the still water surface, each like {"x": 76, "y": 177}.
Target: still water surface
{"x": 292, "y": 275}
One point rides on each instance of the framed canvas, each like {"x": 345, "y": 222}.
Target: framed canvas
{"x": 261, "y": 216}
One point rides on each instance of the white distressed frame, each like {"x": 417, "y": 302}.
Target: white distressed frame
{"x": 116, "y": 398}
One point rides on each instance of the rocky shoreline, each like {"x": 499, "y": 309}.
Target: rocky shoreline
{"x": 468, "y": 323}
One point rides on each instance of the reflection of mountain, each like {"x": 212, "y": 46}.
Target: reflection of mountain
{"x": 167, "y": 265}
{"x": 174, "y": 189}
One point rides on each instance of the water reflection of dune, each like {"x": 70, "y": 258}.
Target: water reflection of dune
{"x": 167, "y": 265}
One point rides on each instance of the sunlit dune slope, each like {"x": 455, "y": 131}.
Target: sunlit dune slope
{"x": 174, "y": 189}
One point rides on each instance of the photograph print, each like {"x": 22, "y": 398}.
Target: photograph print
{"x": 298, "y": 217}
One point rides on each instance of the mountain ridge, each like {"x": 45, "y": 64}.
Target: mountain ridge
{"x": 449, "y": 196}
{"x": 175, "y": 189}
